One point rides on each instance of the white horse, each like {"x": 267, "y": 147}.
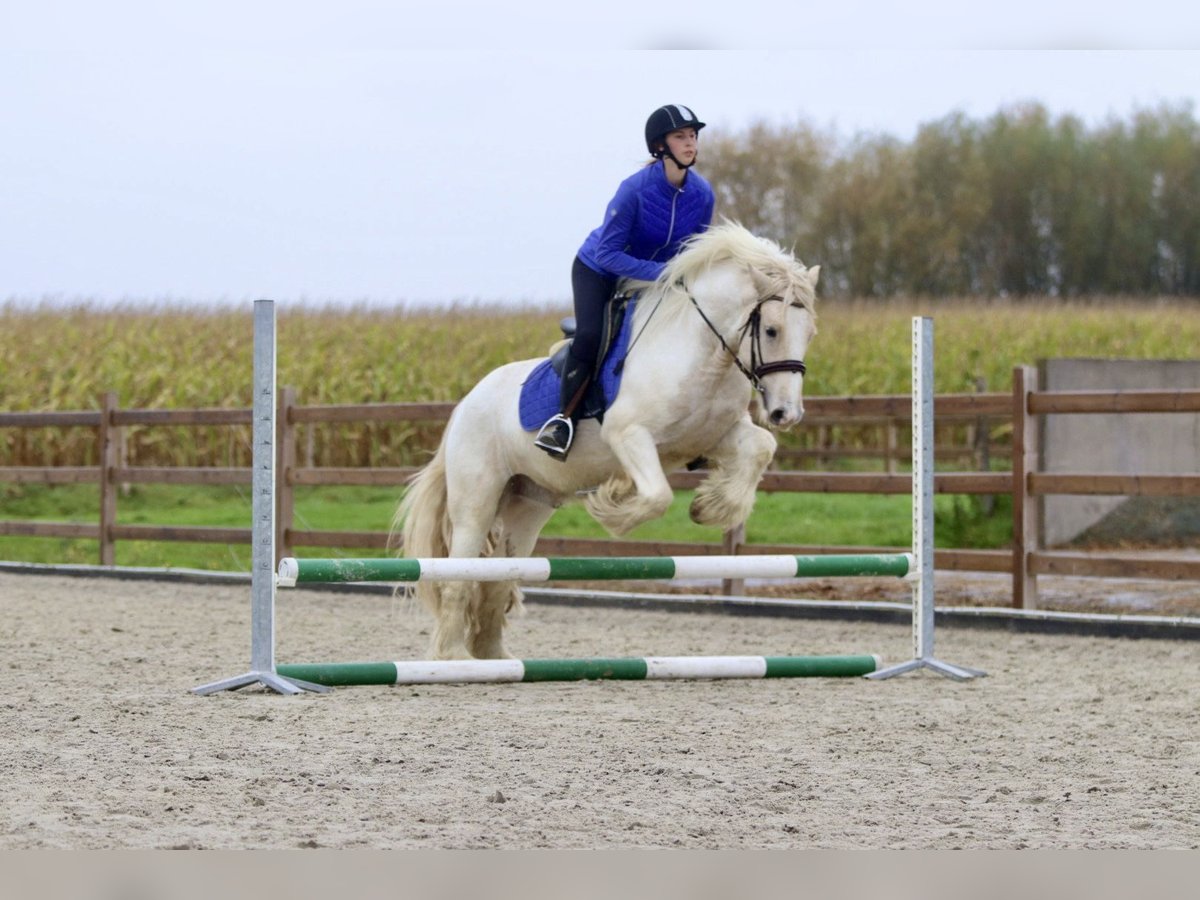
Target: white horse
{"x": 730, "y": 311}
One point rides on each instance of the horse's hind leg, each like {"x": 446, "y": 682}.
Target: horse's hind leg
{"x": 520, "y": 521}
{"x": 472, "y": 510}
{"x": 456, "y": 600}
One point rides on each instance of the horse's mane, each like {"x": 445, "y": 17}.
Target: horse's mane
{"x": 663, "y": 301}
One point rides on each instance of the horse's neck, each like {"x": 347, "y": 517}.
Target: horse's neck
{"x": 717, "y": 292}
{"x": 692, "y": 345}
{"x": 726, "y": 320}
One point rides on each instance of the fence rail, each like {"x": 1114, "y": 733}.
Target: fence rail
{"x": 1025, "y": 561}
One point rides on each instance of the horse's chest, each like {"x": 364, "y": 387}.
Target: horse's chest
{"x": 686, "y": 414}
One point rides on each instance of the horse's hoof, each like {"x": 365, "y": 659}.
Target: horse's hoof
{"x": 701, "y": 513}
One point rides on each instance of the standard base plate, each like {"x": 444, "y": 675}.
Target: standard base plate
{"x": 277, "y": 683}
{"x": 958, "y": 673}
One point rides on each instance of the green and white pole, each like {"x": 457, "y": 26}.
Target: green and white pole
{"x": 647, "y": 668}
{"x": 630, "y": 568}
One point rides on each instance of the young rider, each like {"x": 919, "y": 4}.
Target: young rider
{"x": 654, "y": 211}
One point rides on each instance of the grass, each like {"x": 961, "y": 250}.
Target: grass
{"x": 849, "y": 519}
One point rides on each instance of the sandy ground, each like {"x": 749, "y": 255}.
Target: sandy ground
{"x": 1070, "y": 741}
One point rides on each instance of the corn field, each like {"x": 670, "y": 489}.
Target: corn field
{"x": 66, "y": 358}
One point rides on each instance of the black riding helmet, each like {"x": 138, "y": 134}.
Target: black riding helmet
{"x": 662, "y": 122}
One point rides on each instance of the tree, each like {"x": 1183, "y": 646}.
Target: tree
{"x": 1018, "y": 204}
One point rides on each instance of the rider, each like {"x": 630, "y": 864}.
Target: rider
{"x": 652, "y": 213}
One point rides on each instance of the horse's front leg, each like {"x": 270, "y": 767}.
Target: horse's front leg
{"x": 613, "y": 504}
{"x": 726, "y": 497}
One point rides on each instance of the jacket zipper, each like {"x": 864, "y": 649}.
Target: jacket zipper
{"x": 670, "y": 227}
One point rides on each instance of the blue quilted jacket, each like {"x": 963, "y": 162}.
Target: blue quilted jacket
{"x": 646, "y": 222}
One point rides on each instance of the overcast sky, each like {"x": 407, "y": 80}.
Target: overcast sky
{"x": 222, "y": 151}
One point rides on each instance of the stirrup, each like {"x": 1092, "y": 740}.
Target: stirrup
{"x": 548, "y": 437}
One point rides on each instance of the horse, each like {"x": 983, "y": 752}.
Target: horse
{"x": 721, "y": 334}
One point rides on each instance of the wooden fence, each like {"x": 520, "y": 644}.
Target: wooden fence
{"x": 1025, "y": 561}
{"x": 973, "y": 442}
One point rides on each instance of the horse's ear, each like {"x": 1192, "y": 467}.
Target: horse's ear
{"x": 762, "y": 284}
{"x": 813, "y": 274}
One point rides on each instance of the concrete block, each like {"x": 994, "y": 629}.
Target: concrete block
{"x": 1113, "y": 443}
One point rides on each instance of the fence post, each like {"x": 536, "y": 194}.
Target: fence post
{"x": 730, "y": 541}
{"x": 285, "y": 503}
{"x": 1026, "y": 537}
{"x": 109, "y": 460}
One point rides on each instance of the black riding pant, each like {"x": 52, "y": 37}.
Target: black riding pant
{"x": 592, "y": 291}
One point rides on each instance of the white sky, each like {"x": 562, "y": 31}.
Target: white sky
{"x": 220, "y": 151}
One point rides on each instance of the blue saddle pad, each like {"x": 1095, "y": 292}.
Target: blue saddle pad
{"x": 540, "y": 390}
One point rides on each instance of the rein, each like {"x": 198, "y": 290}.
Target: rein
{"x": 757, "y": 369}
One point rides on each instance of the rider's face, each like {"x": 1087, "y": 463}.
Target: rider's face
{"x": 682, "y": 144}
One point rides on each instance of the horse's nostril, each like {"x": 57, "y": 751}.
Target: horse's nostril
{"x": 777, "y": 416}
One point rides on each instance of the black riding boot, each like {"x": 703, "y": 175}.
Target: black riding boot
{"x": 558, "y": 433}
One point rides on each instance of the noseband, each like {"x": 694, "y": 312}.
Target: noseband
{"x": 757, "y": 369}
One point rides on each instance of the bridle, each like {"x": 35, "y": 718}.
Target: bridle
{"x": 757, "y": 369}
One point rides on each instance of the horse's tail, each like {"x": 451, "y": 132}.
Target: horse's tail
{"x": 422, "y": 521}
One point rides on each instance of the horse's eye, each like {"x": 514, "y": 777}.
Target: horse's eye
{"x": 772, "y": 331}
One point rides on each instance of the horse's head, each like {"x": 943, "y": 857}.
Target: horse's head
{"x": 778, "y": 330}
{"x": 759, "y": 301}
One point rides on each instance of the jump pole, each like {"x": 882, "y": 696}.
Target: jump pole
{"x": 649, "y": 668}
{"x": 604, "y": 568}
